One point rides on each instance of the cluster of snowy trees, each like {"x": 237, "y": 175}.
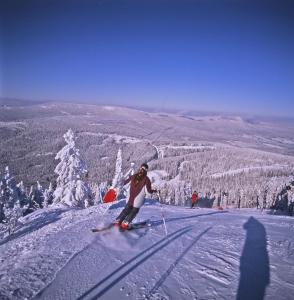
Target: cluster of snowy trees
{"x": 70, "y": 189}
{"x": 223, "y": 176}
{"x": 32, "y": 160}
{"x": 16, "y": 201}
{"x": 229, "y": 177}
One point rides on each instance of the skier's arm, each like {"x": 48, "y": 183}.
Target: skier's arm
{"x": 127, "y": 180}
{"x": 148, "y": 186}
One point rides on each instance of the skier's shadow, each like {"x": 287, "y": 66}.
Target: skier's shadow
{"x": 117, "y": 275}
{"x": 254, "y": 263}
{"x": 174, "y": 219}
{"x": 175, "y": 263}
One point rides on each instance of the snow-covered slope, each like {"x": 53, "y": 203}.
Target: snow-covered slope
{"x": 207, "y": 254}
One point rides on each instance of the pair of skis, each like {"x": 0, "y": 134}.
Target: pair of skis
{"x": 131, "y": 226}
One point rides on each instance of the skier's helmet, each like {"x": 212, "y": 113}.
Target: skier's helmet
{"x": 144, "y": 166}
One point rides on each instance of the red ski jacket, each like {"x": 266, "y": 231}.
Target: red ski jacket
{"x": 194, "y": 198}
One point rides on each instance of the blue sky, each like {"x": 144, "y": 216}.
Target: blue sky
{"x": 234, "y": 56}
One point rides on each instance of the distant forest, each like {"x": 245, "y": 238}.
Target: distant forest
{"x": 230, "y": 161}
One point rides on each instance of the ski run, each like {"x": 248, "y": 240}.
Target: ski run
{"x": 201, "y": 254}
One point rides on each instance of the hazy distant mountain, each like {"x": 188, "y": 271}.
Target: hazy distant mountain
{"x": 18, "y": 102}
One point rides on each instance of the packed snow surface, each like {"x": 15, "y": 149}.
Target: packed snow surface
{"x": 206, "y": 254}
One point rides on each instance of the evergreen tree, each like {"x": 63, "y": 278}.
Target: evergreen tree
{"x": 22, "y": 195}
{"x": 71, "y": 190}
{"x": 39, "y": 195}
{"x": 32, "y": 203}
{"x": 118, "y": 175}
{"x": 10, "y": 201}
{"x": 12, "y": 215}
{"x": 8, "y": 194}
{"x": 117, "y": 181}
{"x": 101, "y": 191}
{"x": 48, "y": 195}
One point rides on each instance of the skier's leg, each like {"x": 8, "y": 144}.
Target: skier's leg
{"x": 130, "y": 217}
{"x": 124, "y": 213}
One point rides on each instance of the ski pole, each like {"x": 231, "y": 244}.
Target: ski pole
{"x": 107, "y": 209}
{"x": 162, "y": 214}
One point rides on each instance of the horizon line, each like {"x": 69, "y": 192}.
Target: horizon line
{"x": 154, "y": 109}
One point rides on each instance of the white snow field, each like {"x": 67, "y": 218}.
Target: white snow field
{"x": 207, "y": 254}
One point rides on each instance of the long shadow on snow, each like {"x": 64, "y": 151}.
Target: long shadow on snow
{"x": 154, "y": 249}
{"x": 172, "y": 266}
{"x": 36, "y": 224}
{"x": 160, "y": 222}
{"x": 254, "y": 263}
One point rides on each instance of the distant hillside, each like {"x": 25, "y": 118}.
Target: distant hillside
{"x": 201, "y": 150}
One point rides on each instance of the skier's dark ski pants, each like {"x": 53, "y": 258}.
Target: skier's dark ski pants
{"x": 128, "y": 214}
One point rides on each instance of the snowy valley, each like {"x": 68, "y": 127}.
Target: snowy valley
{"x": 230, "y": 160}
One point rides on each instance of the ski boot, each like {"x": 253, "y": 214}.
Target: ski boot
{"x": 124, "y": 225}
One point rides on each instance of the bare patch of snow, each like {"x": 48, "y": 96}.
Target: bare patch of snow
{"x": 110, "y": 108}
{"x": 44, "y": 154}
{"x": 65, "y": 112}
{"x": 95, "y": 124}
{"x": 124, "y": 139}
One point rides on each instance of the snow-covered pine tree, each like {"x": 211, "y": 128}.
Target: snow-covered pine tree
{"x": 36, "y": 198}
{"x": 39, "y": 195}
{"x": 12, "y": 215}
{"x": 130, "y": 172}
{"x": 71, "y": 190}
{"x": 84, "y": 194}
{"x": 22, "y": 195}
{"x": 48, "y": 195}
{"x": 100, "y": 192}
{"x": 187, "y": 194}
{"x": 10, "y": 201}
{"x": 8, "y": 194}
{"x": 117, "y": 181}
{"x": 10, "y": 189}
{"x": 32, "y": 203}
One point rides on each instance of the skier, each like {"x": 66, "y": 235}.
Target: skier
{"x": 194, "y": 199}
{"x": 136, "y": 196}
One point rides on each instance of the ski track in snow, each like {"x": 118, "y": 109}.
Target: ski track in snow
{"x": 204, "y": 256}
